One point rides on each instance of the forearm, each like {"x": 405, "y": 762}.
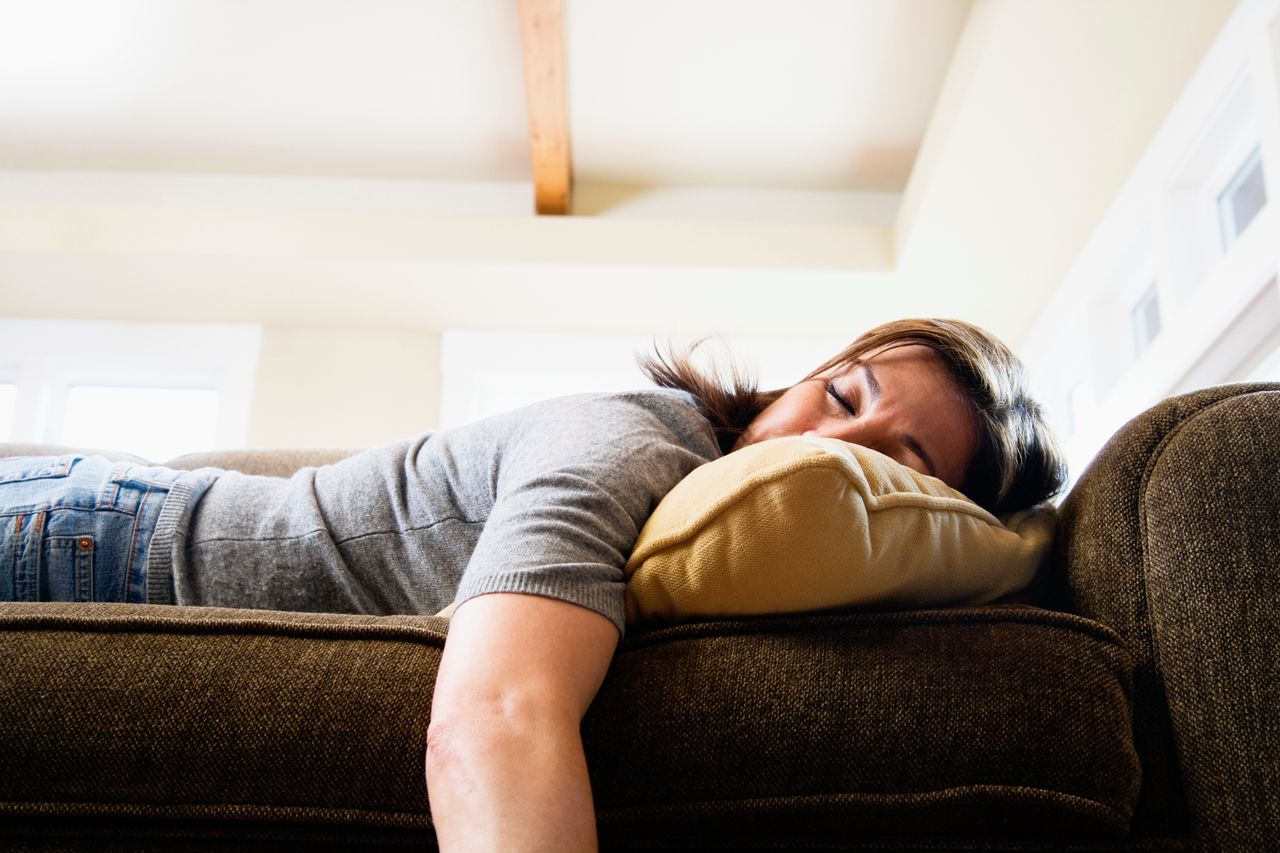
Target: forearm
{"x": 501, "y": 784}
{"x": 505, "y": 765}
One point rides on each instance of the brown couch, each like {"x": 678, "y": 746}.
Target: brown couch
{"x": 1137, "y": 709}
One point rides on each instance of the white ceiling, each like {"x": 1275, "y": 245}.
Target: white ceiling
{"x": 800, "y": 95}
{"x": 427, "y": 89}
{"x": 806, "y": 94}
{"x": 776, "y": 167}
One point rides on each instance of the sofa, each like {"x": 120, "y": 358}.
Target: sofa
{"x": 1132, "y": 706}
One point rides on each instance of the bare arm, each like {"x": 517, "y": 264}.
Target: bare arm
{"x": 505, "y": 766}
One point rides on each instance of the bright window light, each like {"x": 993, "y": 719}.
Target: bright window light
{"x": 8, "y": 401}
{"x": 1145, "y": 317}
{"x": 1242, "y": 198}
{"x": 154, "y": 423}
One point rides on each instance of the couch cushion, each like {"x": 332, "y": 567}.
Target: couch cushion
{"x": 808, "y": 523}
{"x": 1006, "y": 720}
{"x": 224, "y": 719}
{"x": 155, "y": 722}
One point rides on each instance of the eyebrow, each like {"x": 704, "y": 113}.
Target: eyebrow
{"x": 873, "y": 387}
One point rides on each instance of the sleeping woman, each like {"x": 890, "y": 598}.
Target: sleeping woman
{"x": 523, "y": 522}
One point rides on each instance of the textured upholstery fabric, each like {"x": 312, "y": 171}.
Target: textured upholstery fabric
{"x": 782, "y": 733}
{"x": 922, "y": 723}
{"x": 209, "y": 714}
{"x": 806, "y": 523}
{"x": 271, "y": 725}
{"x": 20, "y": 449}
{"x": 274, "y": 463}
{"x": 1172, "y": 537}
{"x": 1214, "y": 586}
{"x": 278, "y": 463}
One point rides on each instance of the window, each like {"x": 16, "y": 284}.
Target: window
{"x": 8, "y": 403}
{"x": 154, "y": 423}
{"x": 1244, "y": 195}
{"x": 1145, "y": 319}
{"x": 154, "y": 390}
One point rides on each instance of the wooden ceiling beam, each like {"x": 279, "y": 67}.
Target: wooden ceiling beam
{"x": 542, "y": 31}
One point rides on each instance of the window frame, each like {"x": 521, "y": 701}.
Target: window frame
{"x": 49, "y": 357}
{"x": 1140, "y": 333}
{"x": 1229, "y": 231}
{"x": 9, "y": 376}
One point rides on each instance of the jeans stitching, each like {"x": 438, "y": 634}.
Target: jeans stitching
{"x": 36, "y": 509}
{"x": 132, "y": 566}
{"x": 62, "y": 504}
{"x": 90, "y": 558}
{"x": 37, "y": 535}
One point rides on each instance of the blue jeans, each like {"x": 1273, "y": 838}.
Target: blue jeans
{"x": 75, "y": 528}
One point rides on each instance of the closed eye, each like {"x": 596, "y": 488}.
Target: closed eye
{"x": 835, "y": 395}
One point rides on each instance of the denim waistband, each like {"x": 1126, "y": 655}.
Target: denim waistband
{"x": 78, "y": 527}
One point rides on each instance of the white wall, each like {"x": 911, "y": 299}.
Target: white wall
{"x": 344, "y": 388}
{"x": 490, "y": 372}
{"x": 310, "y": 387}
{"x": 1043, "y": 112}
{"x": 1220, "y": 304}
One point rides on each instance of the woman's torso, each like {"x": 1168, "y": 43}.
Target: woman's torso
{"x": 547, "y": 499}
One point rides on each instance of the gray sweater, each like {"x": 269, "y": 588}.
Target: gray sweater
{"x": 548, "y": 500}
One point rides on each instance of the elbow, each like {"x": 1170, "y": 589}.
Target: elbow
{"x": 441, "y": 747}
{"x": 457, "y": 770}
{"x": 510, "y": 733}
{"x": 460, "y": 730}
{"x": 453, "y": 746}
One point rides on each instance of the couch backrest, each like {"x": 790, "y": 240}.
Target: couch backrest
{"x": 279, "y": 463}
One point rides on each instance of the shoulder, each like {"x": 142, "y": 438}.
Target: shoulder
{"x": 626, "y": 428}
{"x": 615, "y": 425}
{"x": 656, "y": 412}
{"x": 660, "y": 402}
{"x": 646, "y": 398}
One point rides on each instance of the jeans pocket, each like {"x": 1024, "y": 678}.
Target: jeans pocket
{"x": 62, "y": 538}
{"x": 21, "y": 468}
{"x": 26, "y": 481}
{"x": 66, "y": 569}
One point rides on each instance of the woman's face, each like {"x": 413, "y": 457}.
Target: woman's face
{"x": 900, "y": 402}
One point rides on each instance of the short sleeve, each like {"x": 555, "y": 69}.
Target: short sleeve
{"x": 575, "y": 486}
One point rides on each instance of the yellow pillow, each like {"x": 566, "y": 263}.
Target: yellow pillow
{"x": 805, "y": 523}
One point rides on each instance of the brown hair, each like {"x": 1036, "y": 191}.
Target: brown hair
{"x": 1017, "y": 464}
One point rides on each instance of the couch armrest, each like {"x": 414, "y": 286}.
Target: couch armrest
{"x": 1172, "y": 538}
